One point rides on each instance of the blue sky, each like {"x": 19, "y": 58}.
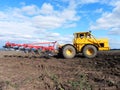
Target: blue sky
{"x": 25, "y": 21}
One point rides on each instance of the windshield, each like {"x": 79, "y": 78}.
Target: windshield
{"x": 75, "y": 35}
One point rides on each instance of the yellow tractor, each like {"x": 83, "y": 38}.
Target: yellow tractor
{"x": 85, "y": 43}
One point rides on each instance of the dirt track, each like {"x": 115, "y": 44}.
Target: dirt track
{"x": 22, "y": 72}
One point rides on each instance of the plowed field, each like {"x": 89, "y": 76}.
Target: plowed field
{"x": 19, "y": 71}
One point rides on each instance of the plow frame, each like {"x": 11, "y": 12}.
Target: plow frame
{"x": 40, "y": 48}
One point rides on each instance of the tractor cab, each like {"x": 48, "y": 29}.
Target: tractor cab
{"x": 82, "y": 35}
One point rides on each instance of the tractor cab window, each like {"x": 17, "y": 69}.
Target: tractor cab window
{"x": 88, "y": 35}
{"x": 81, "y": 35}
{"x": 75, "y": 35}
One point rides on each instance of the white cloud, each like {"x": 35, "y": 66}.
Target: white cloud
{"x": 109, "y": 19}
{"x": 47, "y": 22}
{"x": 100, "y": 10}
{"x": 31, "y": 23}
{"x": 89, "y": 1}
{"x": 53, "y": 35}
{"x": 47, "y": 9}
{"x": 112, "y": 2}
{"x": 115, "y": 31}
{"x": 30, "y": 10}
{"x": 2, "y": 15}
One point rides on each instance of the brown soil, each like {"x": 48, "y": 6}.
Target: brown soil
{"x": 19, "y": 71}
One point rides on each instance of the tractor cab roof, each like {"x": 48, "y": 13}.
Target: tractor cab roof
{"x": 88, "y": 33}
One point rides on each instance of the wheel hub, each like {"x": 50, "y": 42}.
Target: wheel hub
{"x": 69, "y": 52}
{"x": 90, "y": 51}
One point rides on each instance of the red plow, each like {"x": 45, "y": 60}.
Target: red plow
{"x": 41, "y": 48}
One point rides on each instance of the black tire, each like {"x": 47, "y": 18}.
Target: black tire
{"x": 90, "y": 51}
{"x": 68, "y": 51}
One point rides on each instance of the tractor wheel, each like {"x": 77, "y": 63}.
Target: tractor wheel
{"x": 68, "y": 51}
{"x": 90, "y": 51}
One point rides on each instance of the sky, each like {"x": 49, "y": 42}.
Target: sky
{"x": 27, "y": 21}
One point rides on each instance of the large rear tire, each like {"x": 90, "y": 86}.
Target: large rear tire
{"x": 68, "y": 51}
{"x": 90, "y": 51}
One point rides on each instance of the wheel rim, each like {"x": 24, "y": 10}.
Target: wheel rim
{"x": 90, "y": 51}
{"x": 69, "y": 52}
